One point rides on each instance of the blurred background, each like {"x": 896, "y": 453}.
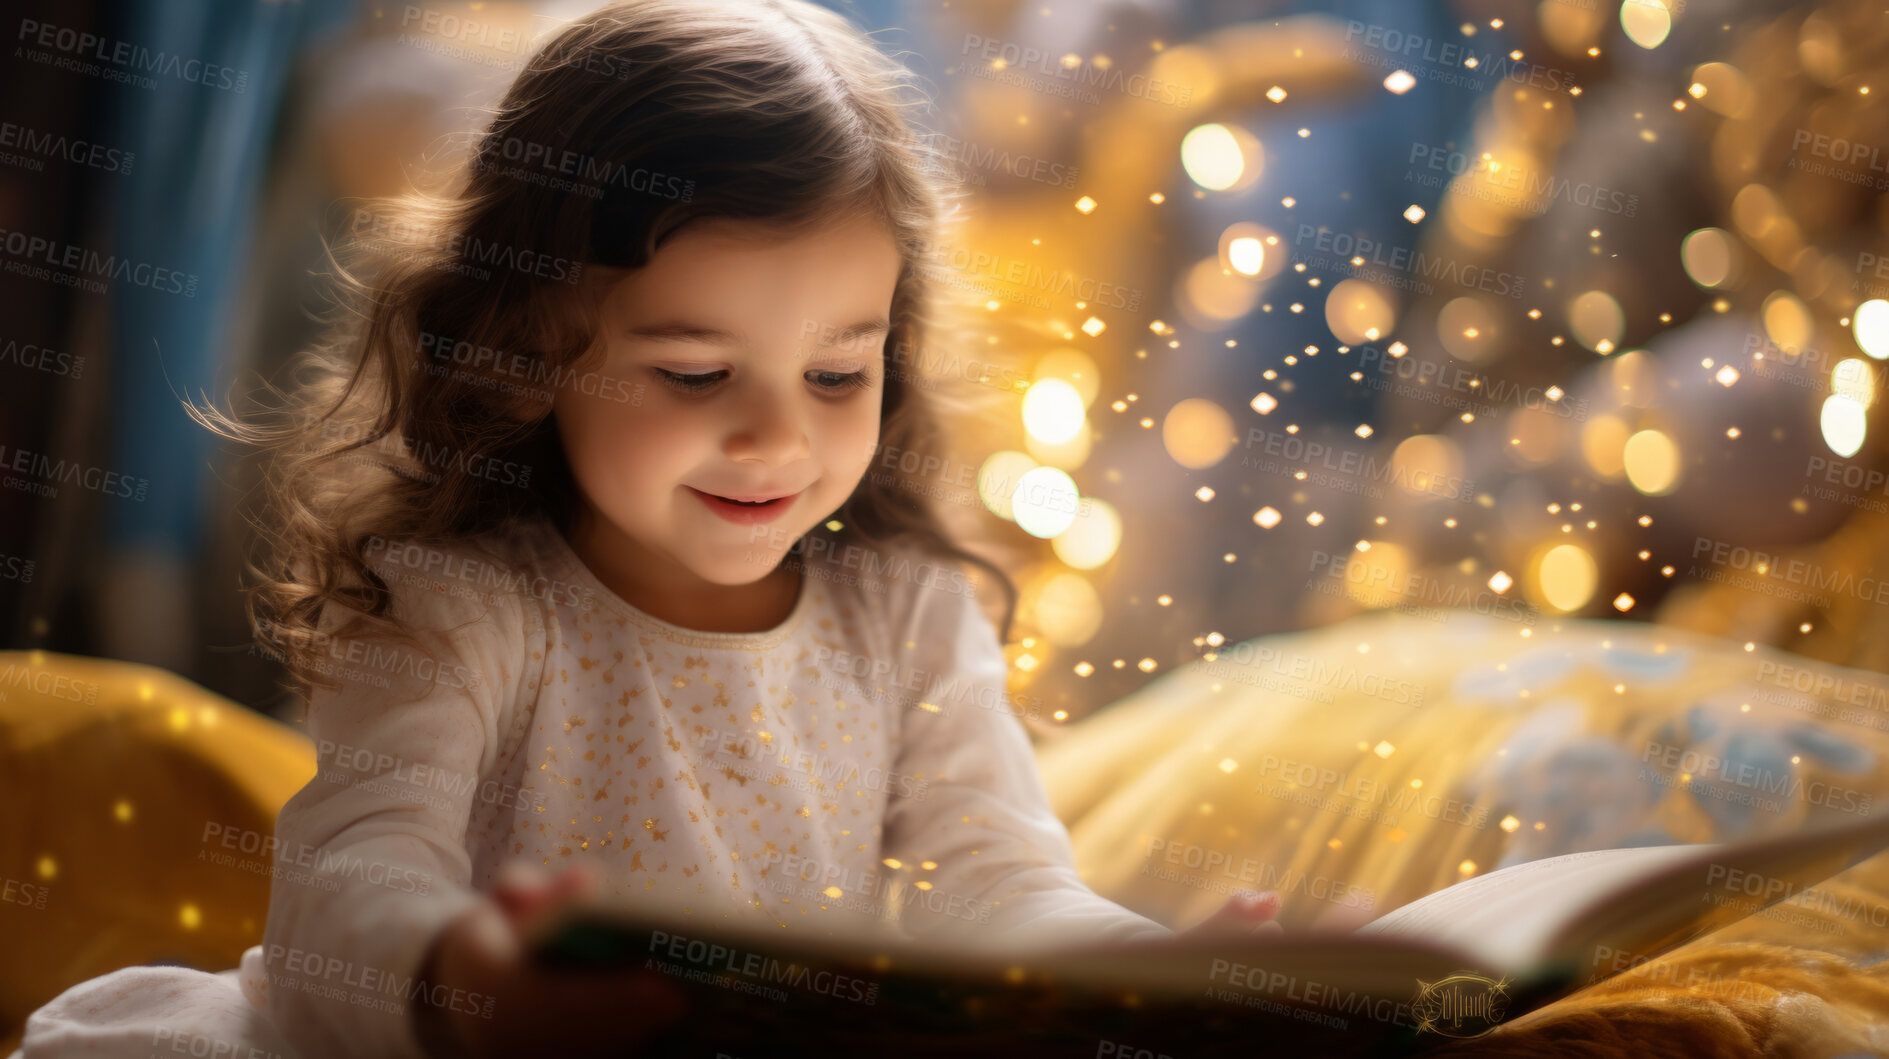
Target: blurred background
{"x": 1533, "y": 309}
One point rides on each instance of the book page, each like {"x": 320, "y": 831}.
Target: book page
{"x": 1510, "y": 915}
{"x": 1724, "y": 883}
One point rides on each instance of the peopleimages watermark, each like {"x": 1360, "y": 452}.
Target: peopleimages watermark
{"x": 1398, "y": 267}
{"x": 1804, "y": 367}
{"x": 34, "y": 357}
{"x": 1066, "y": 75}
{"x": 1877, "y": 265}
{"x": 732, "y": 968}
{"x": 17, "y": 568}
{"x": 34, "y": 146}
{"x": 42, "y": 475}
{"x": 330, "y": 977}
{"x": 1514, "y": 187}
{"x": 1453, "y": 386}
{"x": 1306, "y": 778}
{"x": 432, "y": 458}
{"x": 978, "y": 159}
{"x": 1221, "y": 873}
{"x": 456, "y": 571}
{"x": 1699, "y": 767}
{"x": 1833, "y": 156}
{"x": 382, "y": 773}
{"x": 359, "y": 661}
{"x": 35, "y": 677}
{"x": 562, "y": 169}
{"x": 88, "y": 53}
{"x": 168, "y": 1040}
{"x": 1306, "y": 1000}
{"x": 469, "y": 251}
{"x": 519, "y": 374}
{"x": 1373, "y": 585}
{"x": 1782, "y": 576}
{"x": 1344, "y": 470}
{"x": 37, "y": 257}
{"x": 1751, "y": 891}
{"x": 1310, "y": 677}
{"x": 28, "y": 895}
{"x": 454, "y": 36}
{"x": 917, "y": 687}
{"x": 1847, "y": 483}
{"x": 299, "y": 862}
{"x": 1446, "y": 62}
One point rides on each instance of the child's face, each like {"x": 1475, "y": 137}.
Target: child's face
{"x": 772, "y": 404}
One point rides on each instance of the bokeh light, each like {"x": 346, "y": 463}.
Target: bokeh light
{"x": 1092, "y": 538}
{"x": 1221, "y": 157}
{"x": 1565, "y": 577}
{"x": 997, "y": 480}
{"x": 1845, "y": 423}
{"x": 1045, "y": 502}
{"x": 1871, "y": 328}
{"x": 1359, "y": 312}
{"x": 1052, "y": 411}
{"x": 1707, "y": 256}
{"x": 1197, "y": 433}
{"x": 1647, "y": 22}
{"x": 1652, "y": 462}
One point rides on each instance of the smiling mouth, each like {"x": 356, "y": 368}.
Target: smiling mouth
{"x": 748, "y": 510}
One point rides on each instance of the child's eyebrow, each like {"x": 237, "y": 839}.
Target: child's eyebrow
{"x": 683, "y": 332}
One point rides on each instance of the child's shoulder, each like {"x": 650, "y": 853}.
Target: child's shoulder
{"x": 926, "y": 601}
{"x": 441, "y": 584}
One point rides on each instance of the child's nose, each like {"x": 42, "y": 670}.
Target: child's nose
{"x": 768, "y": 429}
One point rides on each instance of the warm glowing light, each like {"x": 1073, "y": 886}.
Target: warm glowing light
{"x": 1647, "y": 22}
{"x": 1052, "y": 411}
{"x": 1400, "y": 81}
{"x": 997, "y": 480}
{"x": 1567, "y": 576}
{"x": 1066, "y": 609}
{"x": 1267, "y": 517}
{"x": 1845, "y": 423}
{"x": 1264, "y": 403}
{"x": 1247, "y": 255}
{"x": 1597, "y": 321}
{"x": 1852, "y": 379}
{"x": 1706, "y": 255}
{"x": 1871, "y": 327}
{"x": 1652, "y": 462}
{"x": 1358, "y": 311}
{"x": 1197, "y": 433}
{"x": 1212, "y": 156}
{"x": 1044, "y": 502}
{"x": 1092, "y": 539}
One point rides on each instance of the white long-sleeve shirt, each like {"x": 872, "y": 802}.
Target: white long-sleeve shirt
{"x": 812, "y": 774}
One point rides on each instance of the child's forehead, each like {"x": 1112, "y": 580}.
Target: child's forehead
{"x": 850, "y": 260}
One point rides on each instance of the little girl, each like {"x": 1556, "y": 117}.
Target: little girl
{"x": 574, "y": 544}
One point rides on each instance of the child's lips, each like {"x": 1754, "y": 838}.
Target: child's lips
{"x": 746, "y": 511}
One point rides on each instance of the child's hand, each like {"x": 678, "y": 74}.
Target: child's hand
{"x": 534, "y": 1010}
{"x": 1246, "y": 912}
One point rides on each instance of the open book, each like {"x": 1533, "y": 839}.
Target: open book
{"x": 1453, "y": 964}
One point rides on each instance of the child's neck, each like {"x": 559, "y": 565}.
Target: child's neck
{"x": 672, "y": 593}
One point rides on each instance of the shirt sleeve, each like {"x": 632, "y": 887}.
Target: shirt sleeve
{"x": 371, "y": 857}
{"x": 977, "y": 808}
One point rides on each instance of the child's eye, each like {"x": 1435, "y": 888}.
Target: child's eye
{"x": 839, "y": 382}
{"x": 690, "y": 383}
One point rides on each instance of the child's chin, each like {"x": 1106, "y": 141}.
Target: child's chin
{"x": 746, "y": 568}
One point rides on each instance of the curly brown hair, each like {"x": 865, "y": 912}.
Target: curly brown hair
{"x": 652, "y": 114}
